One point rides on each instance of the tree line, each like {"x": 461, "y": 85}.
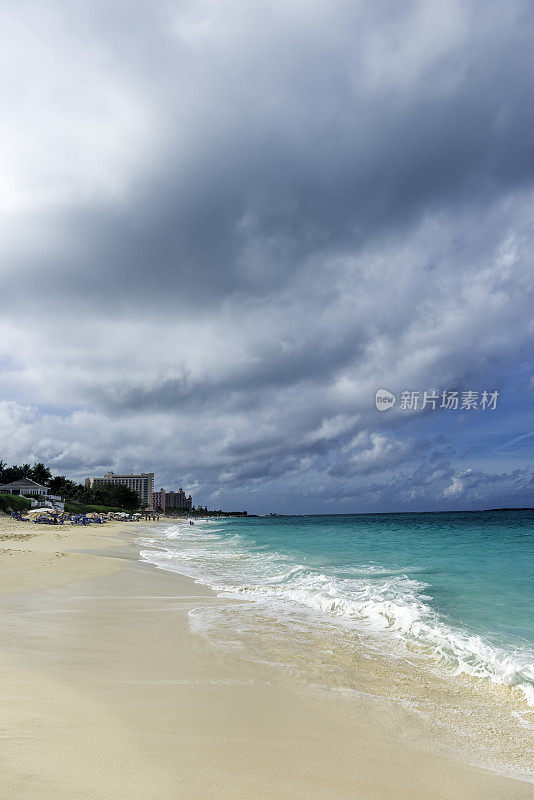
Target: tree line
{"x": 105, "y": 494}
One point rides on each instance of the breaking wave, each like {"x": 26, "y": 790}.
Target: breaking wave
{"x": 368, "y": 597}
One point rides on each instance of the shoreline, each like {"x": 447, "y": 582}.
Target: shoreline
{"x": 109, "y": 693}
{"x": 480, "y": 722}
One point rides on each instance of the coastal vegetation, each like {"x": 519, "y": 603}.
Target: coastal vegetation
{"x": 11, "y": 502}
{"x": 81, "y": 499}
{"x": 99, "y": 498}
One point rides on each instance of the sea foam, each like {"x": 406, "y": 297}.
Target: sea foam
{"x": 367, "y": 597}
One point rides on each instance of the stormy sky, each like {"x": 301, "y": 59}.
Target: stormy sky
{"x": 226, "y": 225}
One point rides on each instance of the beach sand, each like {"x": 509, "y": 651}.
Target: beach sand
{"x": 107, "y": 694}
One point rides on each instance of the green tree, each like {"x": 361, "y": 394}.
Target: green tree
{"x": 40, "y": 473}
{"x": 106, "y": 494}
{"x": 13, "y": 473}
{"x": 62, "y": 486}
{"x": 112, "y": 494}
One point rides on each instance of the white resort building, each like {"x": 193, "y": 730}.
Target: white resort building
{"x": 142, "y": 483}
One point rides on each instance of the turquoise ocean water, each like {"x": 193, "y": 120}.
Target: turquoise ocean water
{"x": 459, "y": 586}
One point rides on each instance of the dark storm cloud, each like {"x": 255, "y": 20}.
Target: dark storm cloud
{"x": 293, "y": 148}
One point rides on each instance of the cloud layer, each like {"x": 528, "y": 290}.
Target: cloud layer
{"x": 227, "y": 226}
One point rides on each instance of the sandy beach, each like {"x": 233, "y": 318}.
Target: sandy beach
{"x": 109, "y": 694}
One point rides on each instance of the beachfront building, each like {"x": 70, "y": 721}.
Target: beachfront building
{"x": 142, "y": 483}
{"x": 38, "y": 494}
{"x": 164, "y": 501}
{"x": 25, "y": 487}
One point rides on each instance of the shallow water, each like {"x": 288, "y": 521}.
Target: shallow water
{"x": 455, "y": 587}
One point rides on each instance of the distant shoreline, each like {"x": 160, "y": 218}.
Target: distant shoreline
{"x": 391, "y": 513}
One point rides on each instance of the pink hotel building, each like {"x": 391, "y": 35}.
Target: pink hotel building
{"x": 163, "y": 500}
